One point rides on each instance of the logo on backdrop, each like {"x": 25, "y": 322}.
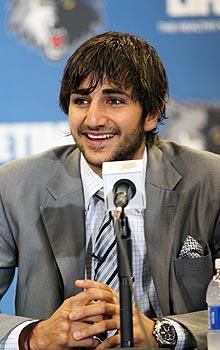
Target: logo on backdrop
{"x": 18, "y": 140}
{"x": 53, "y": 26}
{"x": 194, "y": 125}
{"x": 195, "y": 8}
{"x": 190, "y": 17}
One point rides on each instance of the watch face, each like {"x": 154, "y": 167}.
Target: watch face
{"x": 168, "y": 333}
{"x": 165, "y": 333}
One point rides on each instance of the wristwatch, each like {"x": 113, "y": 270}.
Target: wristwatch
{"x": 165, "y": 334}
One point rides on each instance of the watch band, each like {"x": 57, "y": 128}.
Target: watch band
{"x": 165, "y": 334}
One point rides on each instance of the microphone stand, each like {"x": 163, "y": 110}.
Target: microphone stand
{"x": 124, "y": 248}
{"x": 123, "y": 193}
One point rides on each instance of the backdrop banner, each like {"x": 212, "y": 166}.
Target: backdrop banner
{"x": 37, "y": 37}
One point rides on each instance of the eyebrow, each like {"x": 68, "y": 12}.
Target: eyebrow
{"x": 114, "y": 91}
{"x": 108, "y": 91}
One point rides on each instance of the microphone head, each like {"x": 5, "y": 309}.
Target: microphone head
{"x": 134, "y": 170}
{"x": 123, "y": 191}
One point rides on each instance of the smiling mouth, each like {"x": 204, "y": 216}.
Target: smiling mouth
{"x": 99, "y": 137}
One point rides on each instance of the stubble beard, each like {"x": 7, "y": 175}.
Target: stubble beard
{"x": 126, "y": 150}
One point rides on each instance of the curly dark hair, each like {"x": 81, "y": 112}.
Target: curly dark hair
{"x": 126, "y": 61}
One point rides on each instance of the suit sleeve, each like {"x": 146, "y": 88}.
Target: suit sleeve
{"x": 8, "y": 263}
{"x": 7, "y": 252}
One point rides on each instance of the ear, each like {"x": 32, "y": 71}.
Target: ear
{"x": 151, "y": 120}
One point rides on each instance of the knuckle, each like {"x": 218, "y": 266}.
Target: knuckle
{"x": 64, "y": 338}
{"x": 103, "y": 325}
{"x": 66, "y": 302}
{"x": 89, "y": 293}
{"x": 63, "y": 314}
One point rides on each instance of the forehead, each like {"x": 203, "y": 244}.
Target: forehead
{"x": 103, "y": 86}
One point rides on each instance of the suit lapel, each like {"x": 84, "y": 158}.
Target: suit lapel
{"x": 63, "y": 217}
{"x": 162, "y": 200}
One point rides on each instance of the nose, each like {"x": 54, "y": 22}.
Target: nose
{"x": 95, "y": 115}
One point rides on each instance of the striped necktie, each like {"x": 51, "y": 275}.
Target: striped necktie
{"x": 105, "y": 250}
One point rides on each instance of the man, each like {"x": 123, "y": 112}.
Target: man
{"x": 114, "y": 90}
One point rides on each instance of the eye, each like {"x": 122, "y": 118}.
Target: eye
{"x": 115, "y": 101}
{"x": 80, "y": 101}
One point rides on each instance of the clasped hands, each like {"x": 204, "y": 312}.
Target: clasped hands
{"x": 80, "y": 320}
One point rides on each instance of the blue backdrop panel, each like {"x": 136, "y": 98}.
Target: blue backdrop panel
{"x": 36, "y": 41}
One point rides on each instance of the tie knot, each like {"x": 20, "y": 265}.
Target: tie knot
{"x": 100, "y": 194}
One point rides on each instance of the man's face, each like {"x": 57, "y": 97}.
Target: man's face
{"x": 107, "y": 125}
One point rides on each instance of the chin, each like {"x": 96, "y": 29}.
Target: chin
{"x": 97, "y": 159}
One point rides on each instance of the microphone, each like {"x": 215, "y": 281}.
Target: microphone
{"x": 123, "y": 191}
{"x": 119, "y": 178}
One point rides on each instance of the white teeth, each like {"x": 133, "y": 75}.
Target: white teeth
{"x": 97, "y": 137}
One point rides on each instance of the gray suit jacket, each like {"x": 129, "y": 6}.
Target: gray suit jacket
{"x": 42, "y": 231}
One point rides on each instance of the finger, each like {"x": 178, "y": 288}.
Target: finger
{"x": 92, "y": 319}
{"x": 110, "y": 342}
{"x": 88, "y": 296}
{"x": 88, "y": 343}
{"x": 97, "y": 328}
{"x": 86, "y": 284}
{"x": 91, "y": 284}
{"x": 90, "y": 310}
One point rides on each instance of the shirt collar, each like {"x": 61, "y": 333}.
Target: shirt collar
{"x": 90, "y": 180}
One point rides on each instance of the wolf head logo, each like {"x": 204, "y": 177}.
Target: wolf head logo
{"x": 194, "y": 124}
{"x": 52, "y": 25}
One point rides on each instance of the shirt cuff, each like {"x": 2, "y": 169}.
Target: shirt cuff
{"x": 184, "y": 337}
{"x": 11, "y": 342}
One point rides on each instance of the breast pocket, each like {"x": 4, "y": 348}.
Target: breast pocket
{"x": 193, "y": 276}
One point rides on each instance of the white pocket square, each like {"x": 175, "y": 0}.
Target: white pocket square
{"x": 191, "y": 248}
